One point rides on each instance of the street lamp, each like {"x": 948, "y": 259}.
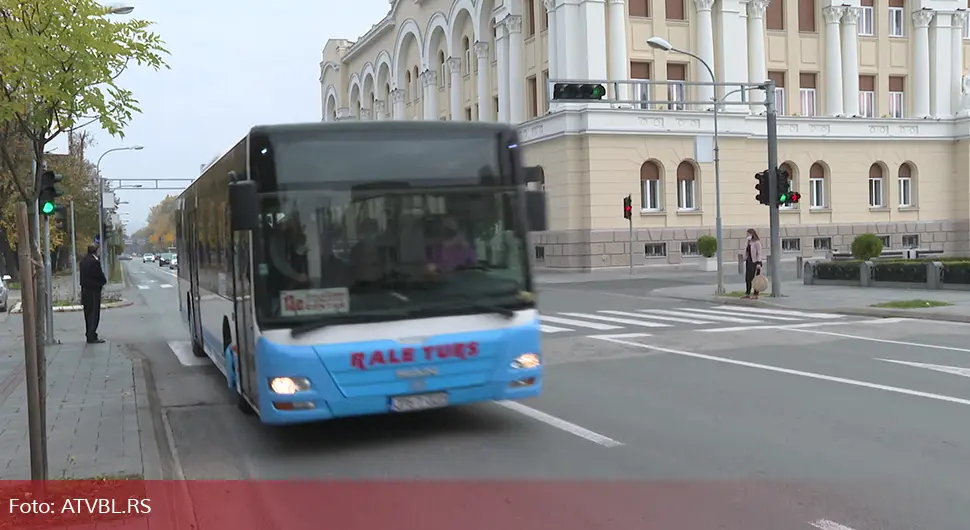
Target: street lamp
{"x": 659, "y": 43}
{"x": 120, "y": 9}
{"x": 97, "y": 171}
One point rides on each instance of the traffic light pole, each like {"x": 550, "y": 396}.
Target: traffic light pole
{"x": 46, "y": 227}
{"x": 74, "y": 279}
{"x": 774, "y": 220}
{"x": 631, "y": 246}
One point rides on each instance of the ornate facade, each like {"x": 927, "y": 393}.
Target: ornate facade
{"x": 873, "y": 97}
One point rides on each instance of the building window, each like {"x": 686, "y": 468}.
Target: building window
{"x": 792, "y": 244}
{"x": 532, "y": 92}
{"x": 540, "y": 253}
{"x": 545, "y": 87}
{"x": 791, "y": 180}
{"x": 689, "y": 248}
{"x": 781, "y": 101}
{"x": 867, "y": 24}
{"x": 897, "y": 18}
{"x": 639, "y": 8}
{"x": 640, "y": 71}
{"x": 822, "y": 244}
{"x": 806, "y": 92}
{"x": 775, "y": 15}
{"x": 867, "y": 96}
{"x": 442, "y": 70}
{"x": 896, "y": 101}
{"x": 415, "y": 85}
{"x": 495, "y": 107}
{"x": 875, "y": 186}
{"x": 468, "y": 114}
{"x": 911, "y": 241}
{"x": 651, "y": 191}
{"x": 816, "y": 186}
{"x": 531, "y": 16}
{"x": 885, "y": 241}
{"x": 676, "y": 92}
{"x": 675, "y": 10}
{"x": 806, "y": 16}
{"x": 469, "y": 58}
{"x": 655, "y": 250}
{"x": 686, "y": 187}
{"x": 905, "y": 177}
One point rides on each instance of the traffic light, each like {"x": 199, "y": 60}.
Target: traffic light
{"x": 628, "y": 207}
{"x": 762, "y": 187}
{"x": 60, "y": 218}
{"x": 785, "y": 194}
{"x": 49, "y": 192}
{"x": 578, "y": 91}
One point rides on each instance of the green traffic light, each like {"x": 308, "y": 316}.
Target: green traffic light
{"x": 48, "y": 208}
{"x": 783, "y": 198}
{"x": 599, "y": 91}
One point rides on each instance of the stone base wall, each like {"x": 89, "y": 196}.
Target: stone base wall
{"x": 589, "y": 249}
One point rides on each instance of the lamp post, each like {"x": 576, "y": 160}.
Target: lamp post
{"x": 659, "y": 43}
{"x": 97, "y": 170}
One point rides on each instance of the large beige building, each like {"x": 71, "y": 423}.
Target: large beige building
{"x": 873, "y": 97}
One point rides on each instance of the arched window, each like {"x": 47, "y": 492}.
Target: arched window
{"x": 416, "y": 82}
{"x": 875, "y": 186}
{"x": 442, "y": 69}
{"x": 686, "y": 187}
{"x": 651, "y": 186}
{"x": 816, "y": 186}
{"x": 469, "y": 61}
{"x": 788, "y": 168}
{"x": 387, "y": 91}
{"x": 906, "y": 196}
{"x": 407, "y": 86}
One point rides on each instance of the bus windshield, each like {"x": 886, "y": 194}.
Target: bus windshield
{"x": 387, "y": 252}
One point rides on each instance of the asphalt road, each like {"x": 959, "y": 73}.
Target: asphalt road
{"x": 798, "y": 421}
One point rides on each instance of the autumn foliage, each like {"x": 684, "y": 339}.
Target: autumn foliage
{"x": 160, "y": 231}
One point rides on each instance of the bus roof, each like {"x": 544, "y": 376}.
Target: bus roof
{"x": 386, "y": 125}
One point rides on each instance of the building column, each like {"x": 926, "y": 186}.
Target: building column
{"x": 380, "y": 110}
{"x": 705, "y": 50}
{"x": 733, "y": 63}
{"x": 502, "y": 70}
{"x": 956, "y": 61}
{"x": 516, "y": 73}
{"x": 833, "y": 61}
{"x": 619, "y": 63}
{"x": 569, "y": 61}
{"x": 454, "y": 93}
{"x": 757, "y": 62}
{"x": 941, "y": 63}
{"x": 921, "y": 63}
{"x": 343, "y": 113}
{"x": 481, "y": 78}
{"x": 850, "y": 61}
{"x": 365, "y": 114}
{"x": 552, "y": 42}
{"x": 397, "y": 104}
{"x": 430, "y": 80}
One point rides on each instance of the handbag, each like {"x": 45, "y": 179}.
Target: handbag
{"x": 760, "y": 283}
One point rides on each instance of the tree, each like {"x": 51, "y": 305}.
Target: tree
{"x": 160, "y": 228}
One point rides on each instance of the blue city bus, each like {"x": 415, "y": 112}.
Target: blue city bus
{"x": 344, "y": 269}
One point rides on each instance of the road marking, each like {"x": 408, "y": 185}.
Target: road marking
{"x": 551, "y": 329}
{"x": 796, "y": 327}
{"x": 785, "y": 312}
{"x": 717, "y": 315}
{"x": 788, "y": 371}
{"x": 886, "y": 341}
{"x": 618, "y": 320}
{"x": 683, "y": 314}
{"x": 620, "y": 336}
{"x": 656, "y": 317}
{"x": 825, "y": 524}
{"x": 560, "y": 424}
{"x": 183, "y": 352}
{"x": 166, "y": 286}
{"x": 143, "y": 287}
{"x": 579, "y": 323}
{"x": 953, "y": 370}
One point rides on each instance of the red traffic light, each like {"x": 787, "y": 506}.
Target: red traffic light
{"x": 795, "y": 197}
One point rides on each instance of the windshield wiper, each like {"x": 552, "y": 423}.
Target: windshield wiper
{"x": 340, "y": 319}
{"x": 492, "y": 308}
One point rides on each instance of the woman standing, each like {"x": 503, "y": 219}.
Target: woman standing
{"x": 753, "y": 257}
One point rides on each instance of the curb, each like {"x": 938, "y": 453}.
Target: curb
{"x": 855, "y": 311}
{"x": 151, "y": 460}
{"x": 74, "y": 308}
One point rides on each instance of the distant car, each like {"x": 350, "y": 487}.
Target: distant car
{"x": 4, "y": 292}
{"x": 164, "y": 259}
{"x": 174, "y": 263}
{"x": 148, "y": 258}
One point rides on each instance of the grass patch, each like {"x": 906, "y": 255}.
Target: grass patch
{"x": 911, "y": 304}
{"x": 739, "y": 294}
{"x": 13, "y": 285}
{"x": 62, "y": 494}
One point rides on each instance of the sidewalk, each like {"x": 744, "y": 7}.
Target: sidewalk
{"x": 99, "y": 422}
{"x": 837, "y": 299}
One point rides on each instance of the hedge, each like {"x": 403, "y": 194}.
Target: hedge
{"x": 838, "y": 270}
{"x": 955, "y": 271}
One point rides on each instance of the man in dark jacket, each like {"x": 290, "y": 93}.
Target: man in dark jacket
{"x": 92, "y": 281}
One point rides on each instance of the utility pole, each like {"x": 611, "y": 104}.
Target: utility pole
{"x": 49, "y": 278}
{"x": 774, "y": 221}
{"x": 36, "y": 385}
{"x": 74, "y": 279}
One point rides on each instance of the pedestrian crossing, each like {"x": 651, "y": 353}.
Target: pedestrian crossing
{"x": 712, "y": 319}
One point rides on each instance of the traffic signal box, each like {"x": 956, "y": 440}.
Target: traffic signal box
{"x": 786, "y": 196}
{"x": 60, "y": 218}
{"x": 762, "y": 188}
{"x": 578, "y": 91}
{"x": 628, "y": 207}
{"x": 47, "y": 198}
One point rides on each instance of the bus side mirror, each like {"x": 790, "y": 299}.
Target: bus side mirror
{"x": 243, "y": 206}
{"x": 535, "y": 211}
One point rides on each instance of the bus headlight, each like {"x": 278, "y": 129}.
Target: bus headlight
{"x": 526, "y": 361}
{"x": 289, "y": 385}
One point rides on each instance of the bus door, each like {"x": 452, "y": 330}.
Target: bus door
{"x": 243, "y": 314}
{"x": 192, "y": 248}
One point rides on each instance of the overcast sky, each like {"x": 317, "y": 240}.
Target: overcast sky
{"x": 235, "y": 64}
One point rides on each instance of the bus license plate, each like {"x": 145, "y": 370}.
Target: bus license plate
{"x": 419, "y": 402}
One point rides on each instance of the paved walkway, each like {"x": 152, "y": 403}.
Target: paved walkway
{"x": 849, "y": 300}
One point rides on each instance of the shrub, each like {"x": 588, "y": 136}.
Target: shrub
{"x": 900, "y": 271}
{"x": 866, "y": 246}
{"x": 956, "y": 272}
{"x": 838, "y": 270}
{"x": 707, "y": 246}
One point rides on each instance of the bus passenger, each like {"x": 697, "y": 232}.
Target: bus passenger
{"x": 288, "y": 254}
{"x": 452, "y": 250}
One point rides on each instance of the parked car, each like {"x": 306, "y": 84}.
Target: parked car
{"x": 175, "y": 262}
{"x": 4, "y": 292}
{"x": 148, "y": 258}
